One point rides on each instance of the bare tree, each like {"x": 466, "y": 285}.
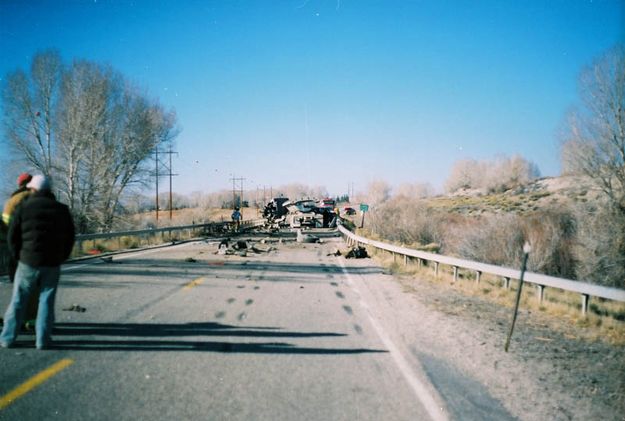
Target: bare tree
{"x": 94, "y": 134}
{"x": 29, "y": 109}
{"x": 595, "y": 144}
{"x": 463, "y": 175}
{"x": 595, "y": 147}
{"x": 378, "y": 191}
{"x": 498, "y": 175}
{"x": 108, "y": 132}
{"x": 414, "y": 191}
{"x": 298, "y": 191}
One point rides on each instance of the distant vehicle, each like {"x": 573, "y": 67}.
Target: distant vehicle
{"x": 349, "y": 210}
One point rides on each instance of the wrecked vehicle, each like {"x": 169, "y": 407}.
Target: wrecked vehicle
{"x": 301, "y": 206}
{"x": 308, "y": 213}
{"x": 275, "y": 209}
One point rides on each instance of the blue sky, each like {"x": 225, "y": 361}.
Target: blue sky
{"x": 328, "y": 92}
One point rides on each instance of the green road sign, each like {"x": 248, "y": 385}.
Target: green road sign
{"x": 364, "y": 207}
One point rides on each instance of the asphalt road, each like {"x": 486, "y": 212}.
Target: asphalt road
{"x": 183, "y": 333}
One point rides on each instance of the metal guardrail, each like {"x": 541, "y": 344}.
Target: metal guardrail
{"x": 541, "y": 281}
{"x": 213, "y": 227}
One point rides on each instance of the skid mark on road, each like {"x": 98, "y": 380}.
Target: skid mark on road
{"x": 33, "y": 382}
{"x": 348, "y": 310}
{"x": 340, "y": 294}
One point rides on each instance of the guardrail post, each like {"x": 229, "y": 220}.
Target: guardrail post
{"x": 419, "y": 263}
{"x": 394, "y": 257}
{"x": 405, "y": 260}
{"x": 585, "y": 301}
{"x": 506, "y": 282}
{"x": 455, "y": 273}
{"x": 478, "y": 276}
{"x": 436, "y": 268}
{"x": 540, "y": 293}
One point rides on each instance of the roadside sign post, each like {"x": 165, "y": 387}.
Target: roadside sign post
{"x": 363, "y": 208}
{"x": 526, "y": 252}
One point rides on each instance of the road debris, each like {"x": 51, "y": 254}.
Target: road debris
{"x": 75, "y": 307}
{"x": 357, "y": 253}
{"x": 306, "y": 238}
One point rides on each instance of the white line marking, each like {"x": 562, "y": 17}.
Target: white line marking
{"x": 425, "y": 397}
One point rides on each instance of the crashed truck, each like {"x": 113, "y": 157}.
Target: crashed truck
{"x": 302, "y": 213}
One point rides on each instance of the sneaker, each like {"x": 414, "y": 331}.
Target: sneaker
{"x": 5, "y": 345}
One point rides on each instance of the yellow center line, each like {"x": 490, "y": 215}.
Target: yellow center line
{"x": 33, "y": 382}
{"x": 193, "y": 283}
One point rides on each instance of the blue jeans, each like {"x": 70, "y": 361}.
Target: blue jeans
{"x": 27, "y": 278}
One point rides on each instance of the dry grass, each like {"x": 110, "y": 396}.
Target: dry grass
{"x": 604, "y": 321}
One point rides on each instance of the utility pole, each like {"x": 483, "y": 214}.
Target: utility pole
{"x": 234, "y": 190}
{"x": 170, "y": 153}
{"x": 157, "y": 175}
{"x": 156, "y": 160}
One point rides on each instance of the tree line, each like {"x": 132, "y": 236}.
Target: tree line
{"x": 88, "y": 128}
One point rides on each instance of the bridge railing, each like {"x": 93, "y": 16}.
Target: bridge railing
{"x": 214, "y": 228}
{"x": 586, "y": 290}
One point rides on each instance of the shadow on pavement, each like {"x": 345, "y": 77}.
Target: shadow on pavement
{"x": 156, "y": 331}
{"x": 176, "y": 268}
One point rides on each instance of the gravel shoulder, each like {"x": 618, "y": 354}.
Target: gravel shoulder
{"x": 548, "y": 373}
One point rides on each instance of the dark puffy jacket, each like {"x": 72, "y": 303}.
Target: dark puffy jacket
{"x": 41, "y": 232}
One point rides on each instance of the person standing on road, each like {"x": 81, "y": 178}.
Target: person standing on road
{"x": 40, "y": 238}
{"x": 9, "y": 207}
{"x": 236, "y": 218}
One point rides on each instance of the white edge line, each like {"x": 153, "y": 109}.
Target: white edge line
{"x": 425, "y": 397}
